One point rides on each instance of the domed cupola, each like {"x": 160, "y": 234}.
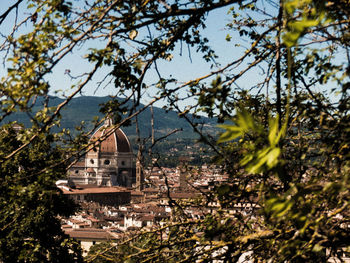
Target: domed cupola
{"x": 109, "y": 141}
{"x": 108, "y": 161}
{"x": 110, "y": 156}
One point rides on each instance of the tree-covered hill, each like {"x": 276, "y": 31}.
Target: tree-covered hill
{"x": 85, "y": 108}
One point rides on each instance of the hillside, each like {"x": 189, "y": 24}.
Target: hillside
{"x": 85, "y": 108}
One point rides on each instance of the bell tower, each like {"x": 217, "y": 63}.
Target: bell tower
{"x": 139, "y": 171}
{"x": 183, "y": 176}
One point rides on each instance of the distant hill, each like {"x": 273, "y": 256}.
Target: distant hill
{"x": 85, "y": 108}
{"x": 182, "y": 143}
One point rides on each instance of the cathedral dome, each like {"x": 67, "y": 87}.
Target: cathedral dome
{"x": 109, "y": 141}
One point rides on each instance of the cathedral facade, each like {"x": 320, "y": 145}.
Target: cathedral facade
{"x": 108, "y": 162}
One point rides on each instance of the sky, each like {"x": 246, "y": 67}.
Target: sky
{"x": 189, "y": 65}
{"x": 185, "y": 67}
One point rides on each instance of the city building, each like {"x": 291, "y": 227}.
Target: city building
{"x": 112, "y": 196}
{"x": 108, "y": 162}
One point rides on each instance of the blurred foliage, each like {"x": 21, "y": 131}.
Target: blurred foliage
{"x": 285, "y": 144}
{"x": 30, "y": 202}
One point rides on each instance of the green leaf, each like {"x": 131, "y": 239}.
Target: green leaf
{"x": 244, "y": 123}
{"x": 317, "y": 248}
{"x": 232, "y": 133}
{"x": 273, "y": 133}
{"x": 133, "y": 34}
{"x": 272, "y": 157}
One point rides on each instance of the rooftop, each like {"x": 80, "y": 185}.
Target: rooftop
{"x": 90, "y": 233}
{"x": 94, "y": 190}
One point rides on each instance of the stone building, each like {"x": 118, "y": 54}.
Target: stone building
{"x": 112, "y": 196}
{"x": 108, "y": 162}
{"x": 91, "y": 236}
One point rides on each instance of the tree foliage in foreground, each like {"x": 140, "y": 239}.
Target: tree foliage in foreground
{"x": 30, "y": 202}
{"x": 286, "y": 152}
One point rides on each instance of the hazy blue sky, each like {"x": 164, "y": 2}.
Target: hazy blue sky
{"x": 182, "y": 67}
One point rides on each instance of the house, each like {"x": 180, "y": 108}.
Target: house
{"x": 91, "y": 236}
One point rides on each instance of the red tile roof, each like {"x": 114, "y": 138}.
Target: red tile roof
{"x": 90, "y": 233}
{"x": 95, "y": 190}
{"x": 115, "y": 142}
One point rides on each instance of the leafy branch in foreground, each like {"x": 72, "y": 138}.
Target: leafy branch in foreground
{"x": 286, "y": 155}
